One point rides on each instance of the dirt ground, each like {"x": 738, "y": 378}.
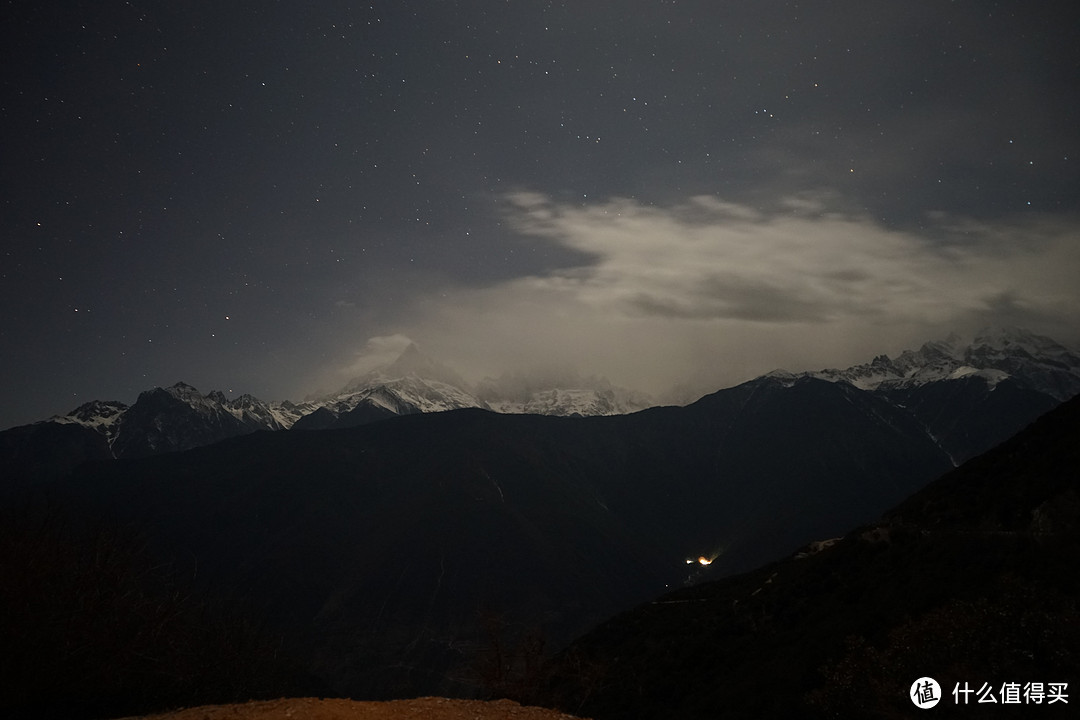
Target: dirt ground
{"x": 429, "y": 708}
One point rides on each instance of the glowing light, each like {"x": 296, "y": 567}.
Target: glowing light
{"x": 703, "y": 560}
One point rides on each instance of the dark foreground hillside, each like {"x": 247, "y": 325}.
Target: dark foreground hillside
{"x": 410, "y": 556}
{"x": 93, "y": 625}
{"x": 972, "y": 580}
{"x": 451, "y": 553}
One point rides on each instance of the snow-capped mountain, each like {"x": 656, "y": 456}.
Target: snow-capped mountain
{"x": 412, "y": 383}
{"x": 382, "y": 397}
{"x": 560, "y": 393}
{"x": 415, "y": 383}
{"x": 968, "y": 395}
{"x": 566, "y": 402}
{"x": 100, "y": 415}
{"x": 180, "y": 417}
{"x": 572, "y": 402}
{"x": 410, "y": 363}
{"x": 993, "y": 355}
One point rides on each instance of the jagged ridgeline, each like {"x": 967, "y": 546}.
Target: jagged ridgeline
{"x": 408, "y": 553}
{"x": 967, "y": 395}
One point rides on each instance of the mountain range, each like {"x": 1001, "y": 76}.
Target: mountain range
{"x": 966, "y": 396}
{"x": 969, "y": 395}
{"x": 970, "y": 581}
{"x": 179, "y": 417}
{"x": 399, "y": 555}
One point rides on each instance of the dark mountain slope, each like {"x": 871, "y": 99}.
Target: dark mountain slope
{"x": 38, "y": 454}
{"x": 389, "y": 546}
{"x": 384, "y": 545}
{"x": 811, "y": 458}
{"x": 180, "y": 418}
{"x": 968, "y": 416}
{"x": 1027, "y": 484}
{"x": 970, "y": 580}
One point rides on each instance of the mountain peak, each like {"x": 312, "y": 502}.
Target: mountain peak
{"x": 410, "y": 363}
{"x": 181, "y": 390}
{"x": 782, "y": 376}
{"x": 1016, "y": 340}
{"x": 559, "y": 391}
{"x": 994, "y": 354}
{"x": 1001, "y": 335}
{"x": 101, "y": 415}
{"x": 950, "y": 348}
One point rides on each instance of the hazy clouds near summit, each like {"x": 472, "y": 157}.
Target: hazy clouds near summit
{"x": 712, "y": 292}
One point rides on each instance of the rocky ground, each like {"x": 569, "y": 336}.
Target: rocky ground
{"x": 429, "y": 708}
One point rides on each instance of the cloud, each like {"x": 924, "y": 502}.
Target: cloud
{"x": 712, "y": 260}
{"x": 376, "y": 352}
{"x": 720, "y": 291}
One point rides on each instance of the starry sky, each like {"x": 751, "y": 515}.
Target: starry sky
{"x": 676, "y": 194}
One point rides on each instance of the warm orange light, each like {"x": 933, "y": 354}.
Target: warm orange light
{"x": 704, "y": 560}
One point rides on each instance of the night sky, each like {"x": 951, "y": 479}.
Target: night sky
{"x": 676, "y": 194}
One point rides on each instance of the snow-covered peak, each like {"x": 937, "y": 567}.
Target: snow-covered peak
{"x": 571, "y": 402}
{"x": 404, "y": 395}
{"x": 100, "y": 415}
{"x": 190, "y": 396}
{"x": 286, "y": 412}
{"x": 410, "y": 363}
{"x": 783, "y": 377}
{"x": 559, "y": 392}
{"x": 1010, "y": 344}
{"x": 951, "y": 348}
{"x": 993, "y": 355}
{"x": 1012, "y": 338}
{"x": 865, "y": 377}
{"x": 183, "y": 391}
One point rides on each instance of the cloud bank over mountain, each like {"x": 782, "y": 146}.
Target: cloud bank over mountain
{"x": 714, "y": 292}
